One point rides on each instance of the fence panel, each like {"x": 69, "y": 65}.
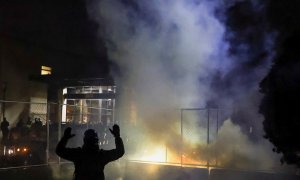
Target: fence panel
{"x": 199, "y": 130}
{"x": 26, "y": 140}
{"x": 35, "y": 129}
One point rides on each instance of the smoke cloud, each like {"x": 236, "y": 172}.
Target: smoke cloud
{"x": 187, "y": 53}
{"x": 241, "y": 152}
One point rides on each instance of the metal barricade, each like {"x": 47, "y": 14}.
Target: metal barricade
{"x": 199, "y": 128}
{"x": 35, "y": 129}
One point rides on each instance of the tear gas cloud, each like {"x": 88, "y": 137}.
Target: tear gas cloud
{"x": 181, "y": 54}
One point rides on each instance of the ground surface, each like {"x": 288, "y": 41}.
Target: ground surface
{"x": 141, "y": 171}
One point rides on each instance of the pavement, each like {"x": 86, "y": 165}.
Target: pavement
{"x": 142, "y": 171}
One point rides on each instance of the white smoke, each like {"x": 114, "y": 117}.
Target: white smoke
{"x": 168, "y": 53}
{"x": 163, "y": 60}
{"x": 235, "y": 150}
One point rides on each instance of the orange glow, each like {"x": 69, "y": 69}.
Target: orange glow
{"x": 161, "y": 154}
{"x": 186, "y": 159}
{"x": 155, "y": 155}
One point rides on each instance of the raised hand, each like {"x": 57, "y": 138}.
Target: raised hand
{"x": 115, "y": 131}
{"x": 67, "y": 133}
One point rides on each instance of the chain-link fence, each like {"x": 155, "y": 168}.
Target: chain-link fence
{"x": 180, "y": 136}
{"x": 24, "y": 133}
{"x": 33, "y": 130}
{"x": 199, "y": 128}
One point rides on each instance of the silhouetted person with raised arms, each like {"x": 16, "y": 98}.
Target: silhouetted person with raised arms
{"x": 89, "y": 160}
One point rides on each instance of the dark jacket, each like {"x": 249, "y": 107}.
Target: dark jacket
{"x": 89, "y": 163}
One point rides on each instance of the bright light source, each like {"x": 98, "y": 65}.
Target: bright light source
{"x": 10, "y": 151}
{"x": 45, "y": 70}
{"x": 18, "y": 149}
{"x": 25, "y": 149}
{"x": 157, "y": 154}
{"x": 65, "y": 91}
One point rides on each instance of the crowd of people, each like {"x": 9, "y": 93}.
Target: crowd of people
{"x": 22, "y": 132}
{"x": 24, "y": 143}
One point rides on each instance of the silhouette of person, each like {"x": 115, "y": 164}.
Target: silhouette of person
{"x": 29, "y": 122}
{"x": 5, "y": 130}
{"x": 89, "y": 160}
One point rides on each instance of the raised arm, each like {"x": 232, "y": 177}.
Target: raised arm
{"x": 61, "y": 150}
{"x": 115, "y": 154}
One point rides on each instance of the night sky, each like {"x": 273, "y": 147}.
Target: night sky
{"x": 63, "y": 32}
{"x": 59, "y": 31}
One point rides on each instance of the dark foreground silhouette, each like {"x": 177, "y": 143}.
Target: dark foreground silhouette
{"x": 5, "y": 131}
{"x": 89, "y": 160}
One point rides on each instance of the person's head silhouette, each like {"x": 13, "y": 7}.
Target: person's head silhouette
{"x": 91, "y": 139}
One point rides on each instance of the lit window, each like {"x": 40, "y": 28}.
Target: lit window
{"x": 65, "y": 91}
{"x": 46, "y": 70}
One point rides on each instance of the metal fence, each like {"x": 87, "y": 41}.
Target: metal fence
{"x": 181, "y": 137}
{"x": 35, "y": 129}
{"x": 199, "y": 128}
